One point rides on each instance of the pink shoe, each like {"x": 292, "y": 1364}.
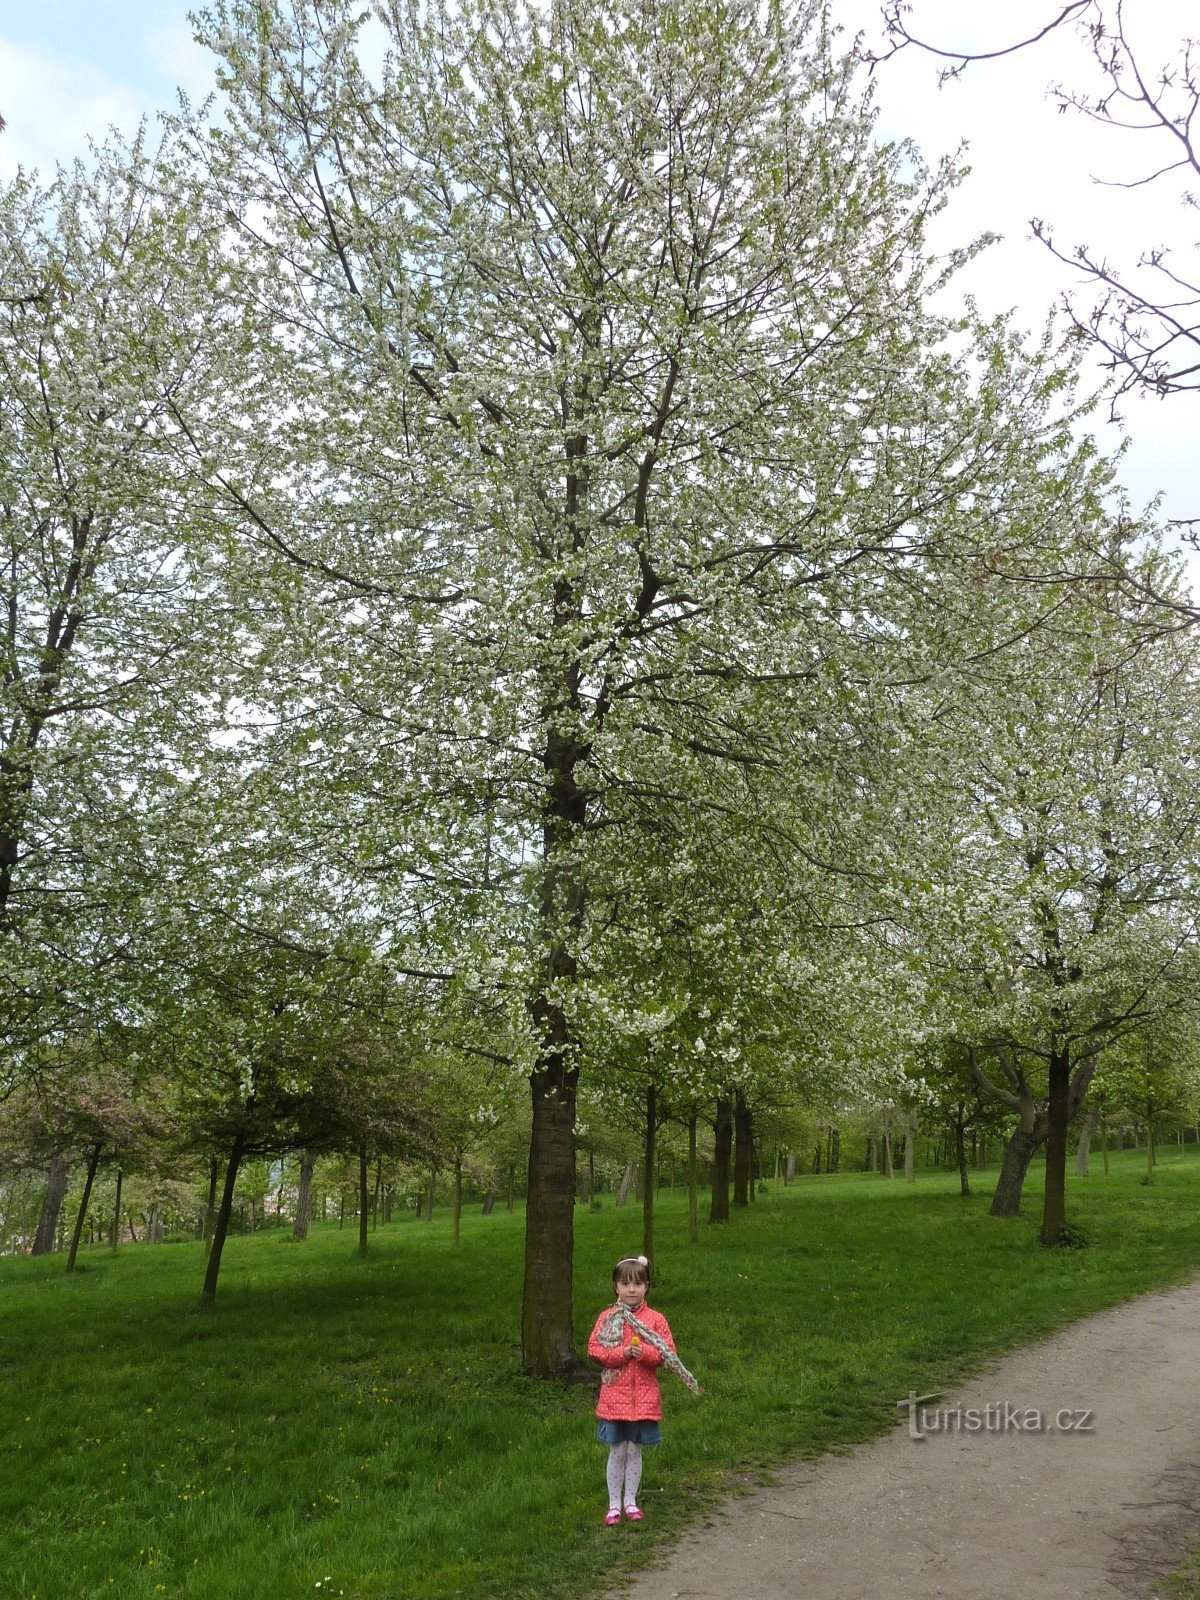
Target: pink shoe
{"x": 612, "y": 1518}
{"x": 632, "y": 1514}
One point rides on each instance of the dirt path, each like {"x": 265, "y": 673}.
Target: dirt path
{"x": 993, "y": 1514}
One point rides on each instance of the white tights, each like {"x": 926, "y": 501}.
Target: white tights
{"x": 624, "y": 1466}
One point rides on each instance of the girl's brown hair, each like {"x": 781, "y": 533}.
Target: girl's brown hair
{"x": 633, "y": 1269}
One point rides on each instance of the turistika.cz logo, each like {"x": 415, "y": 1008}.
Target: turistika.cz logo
{"x": 998, "y": 1416}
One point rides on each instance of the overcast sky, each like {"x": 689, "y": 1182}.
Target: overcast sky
{"x": 70, "y": 68}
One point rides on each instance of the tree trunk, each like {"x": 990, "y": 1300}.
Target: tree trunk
{"x": 649, "y": 1154}
{"x": 910, "y": 1151}
{"x": 512, "y": 1182}
{"x": 489, "y": 1198}
{"x": 547, "y": 1305}
{"x": 835, "y": 1150}
{"x": 210, "y": 1209}
{"x": 693, "y": 1206}
{"x": 888, "y": 1170}
{"x": 1104, "y": 1144}
{"x": 56, "y": 1189}
{"x": 304, "y": 1195}
{"x": 114, "y": 1232}
{"x": 457, "y": 1228}
{"x": 547, "y": 1296}
{"x": 1054, "y": 1209}
{"x": 1150, "y": 1156}
{"x": 1083, "y": 1149}
{"x": 789, "y": 1168}
{"x": 375, "y": 1194}
{"x": 722, "y": 1147}
{"x": 431, "y": 1193}
{"x": 626, "y": 1185}
{"x": 778, "y": 1164}
{"x": 364, "y": 1199}
{"x": 1018, "y": 1153}
{"x": 960, "y": 1152}
{"x": 741, "y": 1149}
{"x": 591, "y": 1178}
{"x": 869, "y": 1163}
{"x": 93, "y": 1163}
{"x": 208, "y": 1294}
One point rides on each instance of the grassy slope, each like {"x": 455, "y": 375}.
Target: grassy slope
{"x": 362, "y": 1428}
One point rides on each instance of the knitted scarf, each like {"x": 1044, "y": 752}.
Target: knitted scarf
{"x": 611, "y": 1334}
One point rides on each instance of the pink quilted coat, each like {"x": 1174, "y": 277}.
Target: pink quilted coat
{"x": 629, "y": 1389}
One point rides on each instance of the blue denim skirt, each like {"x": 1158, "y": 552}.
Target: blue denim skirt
{"x": 638, "y": 1432}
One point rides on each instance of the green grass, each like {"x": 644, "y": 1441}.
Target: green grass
{"x": 363, "y": 1428}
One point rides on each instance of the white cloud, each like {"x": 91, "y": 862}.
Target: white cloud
{"x": 180, "y": 60}
{"x": 1029, "y": 160}
{"x": 53, "y": 105}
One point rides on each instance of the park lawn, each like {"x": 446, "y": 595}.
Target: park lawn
{"x": 362, "y": 1428}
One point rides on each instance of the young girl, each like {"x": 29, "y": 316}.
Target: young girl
{"x": 630, "y": 1406}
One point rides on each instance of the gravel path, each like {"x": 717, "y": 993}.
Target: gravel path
{"x": 1094, "y": 1513}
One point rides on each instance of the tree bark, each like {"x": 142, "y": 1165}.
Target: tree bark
{"x": 457, "y": 1228}
{"x": 835, "y": 1150}
{"x": 1054, "y": 1213}
{"x": 910, "y": 1151}
{"x": 626, "y": 1186}
{"x": 722, "y": 1148}
{"x": 93, "y": 1163}
{"x": 1083, "y": 1149}
{"x": 56, "y": 1189}
{"x": 490, "y": 1198}
{"x": 888, "y": 1170}
{"x": 693, "y": 1206}
{"x": 431, "y": 1193}
{"x": 208, "y": 1294}
{"x": 649, "y": 1155}
{"x": 210, "y": 1209}
{"x": 304, "y": 1195}
{"x": 364, "y": 1199}
{"x": 1018, "y": 1153}
{"x": 547, "y": 1298}
{"x": 1104, "y": 1144}
{"x": 960, "y": 1152}
{"x": 375, "y": 1193}
{"x": 547, "y": 1309}
{"x": 114, "y": 1232}
{"x": 742, "y": 1135}
{"x": 789, "y": 1168}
